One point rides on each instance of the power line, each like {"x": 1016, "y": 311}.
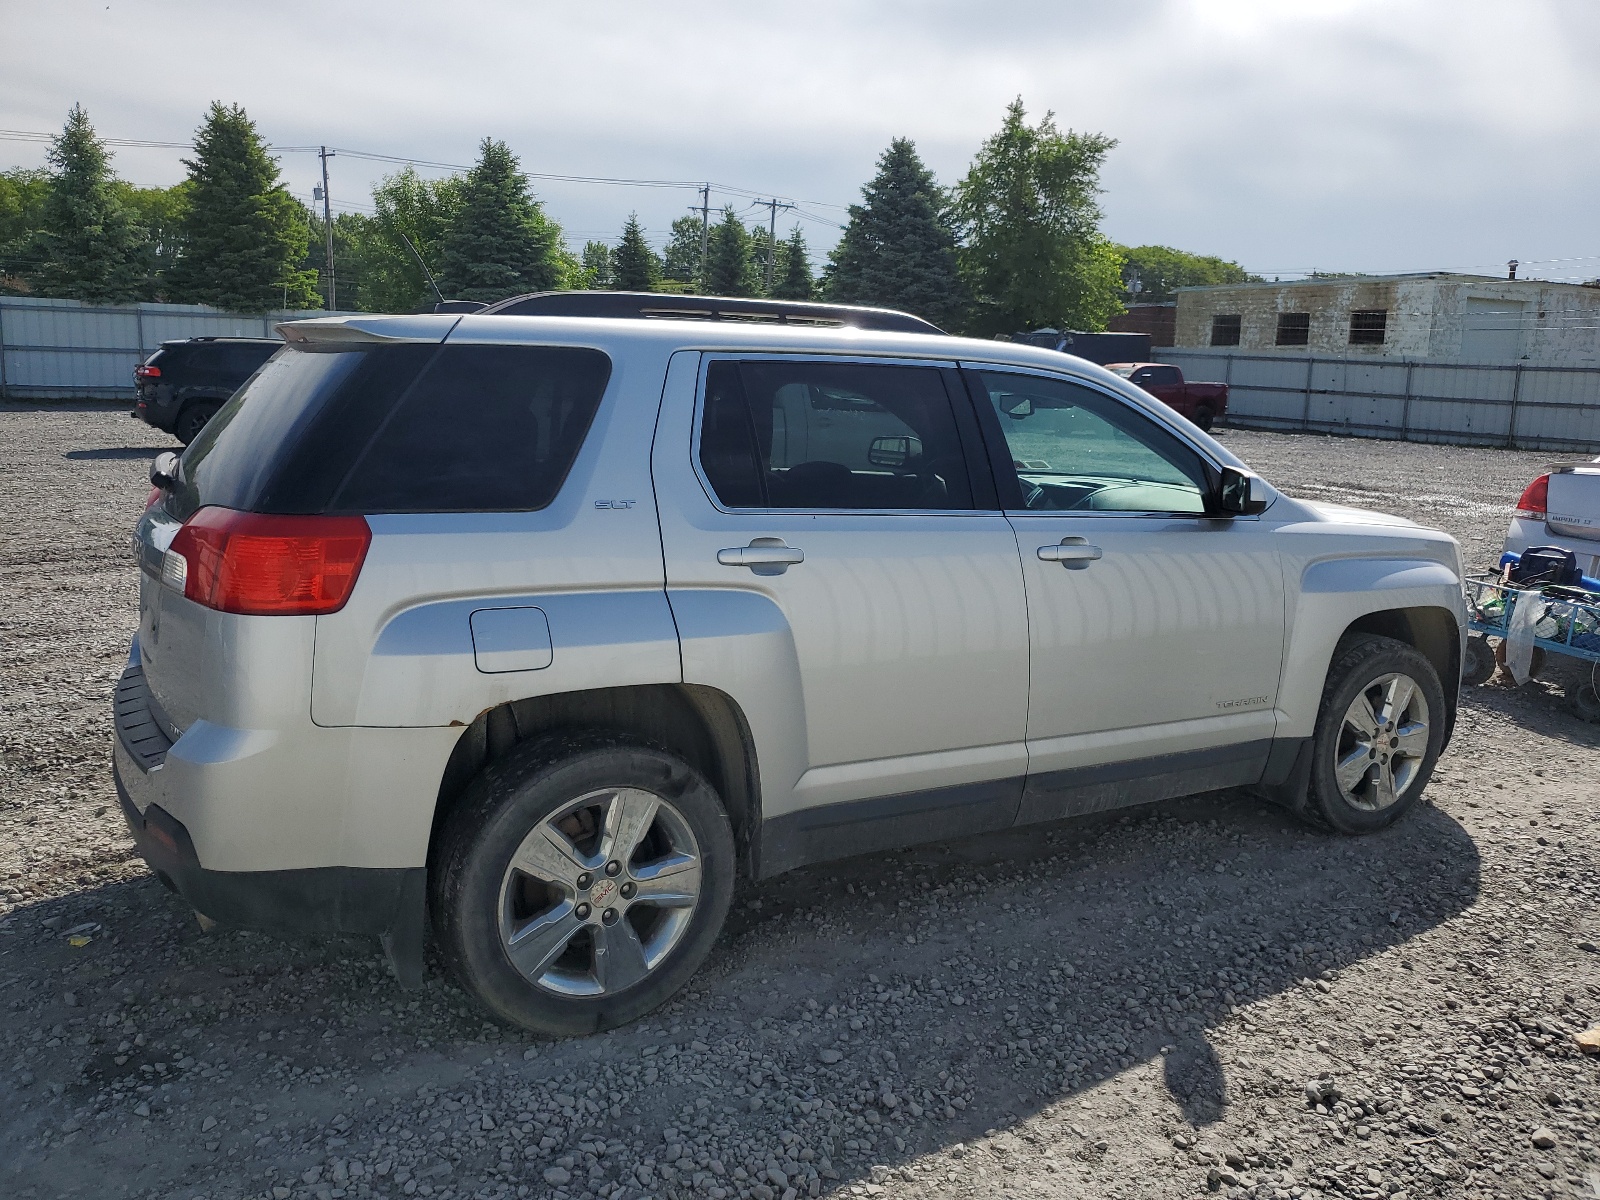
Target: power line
{"x": 36, "y": 136}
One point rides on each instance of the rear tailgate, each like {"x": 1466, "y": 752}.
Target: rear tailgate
{"x": 1573, "y": 507}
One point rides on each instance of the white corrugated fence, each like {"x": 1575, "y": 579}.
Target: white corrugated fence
{"x": 1522, "y": 405}
{"x": 65, "y": 349}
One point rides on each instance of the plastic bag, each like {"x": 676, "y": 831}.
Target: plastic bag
{"x": 1530, "y": 607}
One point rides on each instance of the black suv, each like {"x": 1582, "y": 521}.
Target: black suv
{"x": 182, "y": 384}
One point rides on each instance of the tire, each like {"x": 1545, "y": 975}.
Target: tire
{"x": 1478, "y": 663}
{"x": 1584, "y": 702}
{"x": 193, "y": 419}
{"x": 1369, "y": 677}
{"x": 1204, "y": 419}
{"x": 596, "y": 951}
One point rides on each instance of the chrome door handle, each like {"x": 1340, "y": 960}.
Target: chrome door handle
{"x": 1074, "y": 553}
{"x": 764, "y": 556}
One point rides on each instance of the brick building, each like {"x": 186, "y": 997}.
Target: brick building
{"x": 1160, "y": 321}
{"x": 1438, "y": 316}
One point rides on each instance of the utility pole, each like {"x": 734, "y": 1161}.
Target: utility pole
{"x": 705, "y": 230}
{"x": 772, "y": 238}
{"x": 327, "y": 224}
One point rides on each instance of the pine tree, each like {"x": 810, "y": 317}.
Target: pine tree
{"x": 90, "y": 245}
{"x": 598, "y": 272}
{"x": 244, "y": 236}
{"x": 501, "y": 243}
{"x": 794, "y": 280}
{"x": 730, "y": 269}
{"x": 637, "y": 267}
{"x": 1034, "y": 255}
{"x": 899, "y": 249}
{"x": 681, "y": 261}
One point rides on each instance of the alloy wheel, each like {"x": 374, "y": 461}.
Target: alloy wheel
{"x": 599, "y": 892}
{"x": 1383, "y": 742}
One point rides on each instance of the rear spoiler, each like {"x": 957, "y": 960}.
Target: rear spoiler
{"x": 423, "y": 327}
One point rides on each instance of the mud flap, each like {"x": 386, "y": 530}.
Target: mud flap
{"x": 403, "y": 940}
{"x": 1287, "y": 780}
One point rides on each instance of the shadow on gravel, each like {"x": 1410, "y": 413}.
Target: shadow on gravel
{"x": 958, "y": 989}
{"x": 1538, "y": 705}
{"x": 113, "y": 452}
{"x": 1120, "y": 940}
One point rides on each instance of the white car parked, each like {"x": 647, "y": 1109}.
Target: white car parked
{"x": 1561, "y": 508}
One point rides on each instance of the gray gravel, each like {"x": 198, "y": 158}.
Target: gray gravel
{"x": 1195, "y": 998}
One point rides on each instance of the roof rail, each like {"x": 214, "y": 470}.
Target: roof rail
{"x": 709, "y": 308}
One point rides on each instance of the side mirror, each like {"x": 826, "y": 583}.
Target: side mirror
{"x": 1242, "y": 494}
{"x": 1016, "y": 407}
{"x": 164, "y": 471}
{"x": 894, "y": 452}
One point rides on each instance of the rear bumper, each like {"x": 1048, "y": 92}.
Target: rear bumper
{"x": 1526, "y": 532}
{"x": 154, "y": 406}
{"x": 191, "y": 809}
{"x": 369, "y": 900}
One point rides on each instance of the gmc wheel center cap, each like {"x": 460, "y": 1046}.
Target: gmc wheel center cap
{"x": 603, "y": 891}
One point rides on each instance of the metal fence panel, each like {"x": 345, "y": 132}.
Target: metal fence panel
{"x": 1525, "y": 405}
{"x": 51, "y": 349}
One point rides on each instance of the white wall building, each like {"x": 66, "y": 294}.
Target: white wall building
{"x": 1436, "y": 316}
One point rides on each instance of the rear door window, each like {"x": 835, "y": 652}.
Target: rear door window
{"x": 803, "y": 434}
{"x": 484, "y": 429}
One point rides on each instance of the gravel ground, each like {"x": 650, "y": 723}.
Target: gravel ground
{"x": 1197, "y": 997}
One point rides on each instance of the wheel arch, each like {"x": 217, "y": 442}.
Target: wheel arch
{"x": 1430, "y": 630}
{"x": 703, "y": 726}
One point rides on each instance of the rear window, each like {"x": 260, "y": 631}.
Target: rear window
{"x": 407, "y": 428}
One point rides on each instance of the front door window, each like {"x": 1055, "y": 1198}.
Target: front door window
{"x": 1078, "y": 450}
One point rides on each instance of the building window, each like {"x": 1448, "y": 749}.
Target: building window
{"x": 1367, "y": 327}
{"x": 1225, "y": 329}
{"x": 1294, "y": 329}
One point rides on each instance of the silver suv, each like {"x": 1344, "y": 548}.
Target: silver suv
{"x": 541, "y": 631}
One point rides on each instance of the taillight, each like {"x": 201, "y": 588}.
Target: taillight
{"x": 143, "y": 371}
{"x": 1535, "y": 498}
{"x": 258, "y": 564}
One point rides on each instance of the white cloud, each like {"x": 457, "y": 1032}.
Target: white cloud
{"x": 1363, "y": 134}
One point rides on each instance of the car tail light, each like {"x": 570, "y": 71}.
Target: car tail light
{"x": 1535, "y": 498}
{"x": 143, "y": 371}
{"x": 258, "y": 564}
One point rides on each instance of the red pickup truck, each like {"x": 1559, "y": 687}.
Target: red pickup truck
{"x": 1202, "y": 403}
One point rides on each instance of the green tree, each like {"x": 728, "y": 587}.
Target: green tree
{"x": 244, "y": 235}
{"x": 89, "y": 245}
{"x": 161, "y": 211}
{"x": 598, "y": 273}
{"x": 1034, "y": 255}
{"x": 1160, "y": 270}
{"x": 793, "y": 279}
{"x": 638, "y": 269}
{"x": 730, "y": 267}
{"x": 899, "y": 248}
{"x": 501, "y": 243}
{"x": 760, "y": 240}
{"x": 23, "y": 193}
{"x": 352, "y": 265}
{"x": 407, "y": 207}
{"x": 681, "y": 259}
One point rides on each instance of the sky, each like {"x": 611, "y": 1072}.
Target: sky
{"x": 1287, "y": 135}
